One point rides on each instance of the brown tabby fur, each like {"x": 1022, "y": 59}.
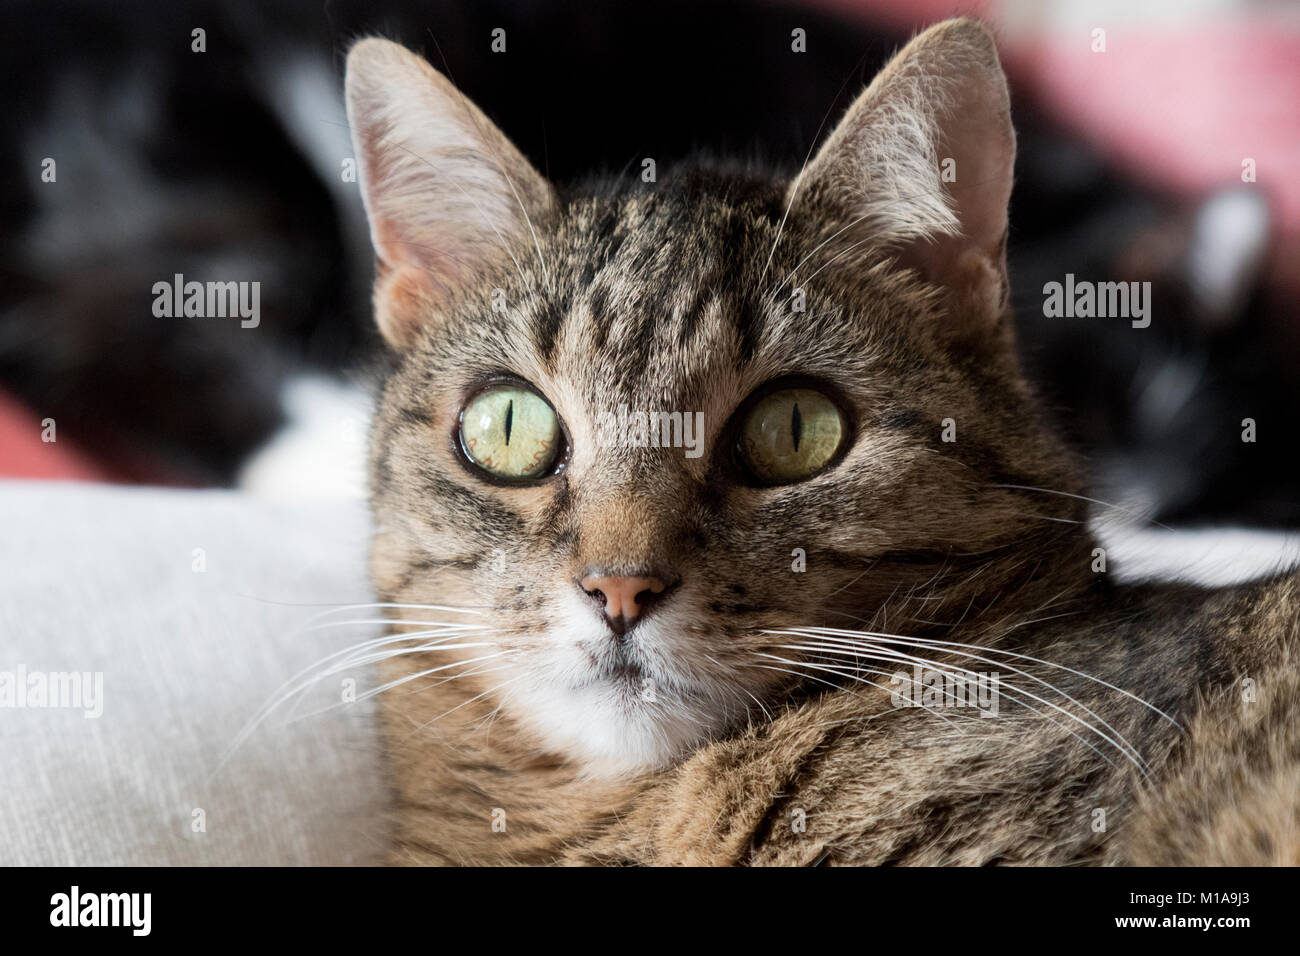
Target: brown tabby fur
{"x": 663, "y": 296}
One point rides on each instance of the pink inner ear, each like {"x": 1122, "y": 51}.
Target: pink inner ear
{"x": 984, "y": 152}
{"x": 404, "y": 298}
{"x": 432, "y": 269}
{"x": 976, "y": 134}
{"x": 410, "y": 282}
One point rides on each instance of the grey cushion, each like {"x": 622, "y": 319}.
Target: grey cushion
{"x": 102, "y": 579}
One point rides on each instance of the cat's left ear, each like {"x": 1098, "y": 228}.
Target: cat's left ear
{"x": 447, "y": 195}
{"x": 923, "y": 162}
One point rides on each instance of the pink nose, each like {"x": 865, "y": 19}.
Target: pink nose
{"x": 625, "y": 598}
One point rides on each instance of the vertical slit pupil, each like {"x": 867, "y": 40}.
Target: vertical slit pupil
{"x": 796, "y": 425}
{"x": 510, "y": 417}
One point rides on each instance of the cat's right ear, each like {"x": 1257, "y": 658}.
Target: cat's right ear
{"x": 446, "y": 194}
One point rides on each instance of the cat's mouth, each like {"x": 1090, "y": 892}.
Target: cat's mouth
{"x": 623, "y": 671}
{"x": 619, "y": 667}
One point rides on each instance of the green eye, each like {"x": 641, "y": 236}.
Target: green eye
{"x": 791, "y": 434}
{"x": 510, "y": 432}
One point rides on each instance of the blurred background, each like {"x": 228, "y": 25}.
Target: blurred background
{"x": 1158, "y": 142}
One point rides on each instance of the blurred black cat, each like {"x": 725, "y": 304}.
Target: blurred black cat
{"x": 1159, "y": 410}
{"x": 230, "y": 163}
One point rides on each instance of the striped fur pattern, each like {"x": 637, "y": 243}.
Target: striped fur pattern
{"x": 765, "y": 740}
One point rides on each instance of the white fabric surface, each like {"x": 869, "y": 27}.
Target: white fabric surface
{"x": 96, "y": 578}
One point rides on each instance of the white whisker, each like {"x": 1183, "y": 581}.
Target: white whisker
{"x": 1011, "y": 688}
{"x": 841, "y": 672}
{"x": 1118, "y": 740}
{"x": 992, "y": 650}
{"x": 391, "y": 684}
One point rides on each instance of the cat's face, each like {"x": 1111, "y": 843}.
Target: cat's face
{"x": 630, "y": 592}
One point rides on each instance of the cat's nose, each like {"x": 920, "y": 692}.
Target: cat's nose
{"x": 625, "y": 599}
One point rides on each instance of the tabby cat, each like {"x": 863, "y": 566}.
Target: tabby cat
{"x": 609, "y": 651}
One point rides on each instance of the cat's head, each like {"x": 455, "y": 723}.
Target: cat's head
{"x": 849, "y": 430}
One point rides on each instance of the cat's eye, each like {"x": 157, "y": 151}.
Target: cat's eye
{"x": 511, "y": 432}
{"x": 791, "y": 434}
